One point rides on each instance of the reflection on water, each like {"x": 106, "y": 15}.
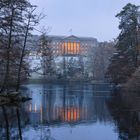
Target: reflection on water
{"x": 125, "y": 112}
{"x": 72, "y": 112}
{"x": 67, "y": 104}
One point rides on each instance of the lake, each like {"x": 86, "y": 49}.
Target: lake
{"x": 66, "y": 112}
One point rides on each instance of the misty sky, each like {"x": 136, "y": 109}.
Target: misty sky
{"x": 93, "y": 18}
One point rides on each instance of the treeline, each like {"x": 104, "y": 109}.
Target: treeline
{"x": 125, "y": 61}
{"x": 17, "y": 20}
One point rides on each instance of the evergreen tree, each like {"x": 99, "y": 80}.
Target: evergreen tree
{"x": 127, "y": 39}
{"x": 124, "y": 62}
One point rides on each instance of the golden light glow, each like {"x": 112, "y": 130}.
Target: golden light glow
{"x": 35, "y": 109}
{"x": 78, "y": 47}
{"x": 74, "y": 48}
{"x": 41, "y": 115}
{"x": 70, "y": 48}
{"x": 71, "y": 114}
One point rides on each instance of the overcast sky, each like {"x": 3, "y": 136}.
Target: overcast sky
{"x": 93, "y": 18}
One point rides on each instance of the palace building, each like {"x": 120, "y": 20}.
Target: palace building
{"x": 63, "y": 48}
{"x": 71, "y": 45}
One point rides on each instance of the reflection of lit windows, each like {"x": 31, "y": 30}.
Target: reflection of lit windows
{"x": 71, "y": 114}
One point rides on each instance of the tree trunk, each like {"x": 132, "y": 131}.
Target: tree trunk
{"x": 7, "y": 123}
{"x": 22, "y": 56}
{"x": 6, "y": 79}
{"x": 19, "y": 124}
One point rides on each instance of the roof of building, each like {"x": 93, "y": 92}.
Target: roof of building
{"x": 72, "y": 37}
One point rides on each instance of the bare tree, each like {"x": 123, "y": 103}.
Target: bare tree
{"x": 31, "y": 20}
{"x": 98, "y": 59}
{"x": 18, "y": 18}
{"x": 47, "y": 55}
{"x": 11, "y": 13}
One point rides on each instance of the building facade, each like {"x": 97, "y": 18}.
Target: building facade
{"x": 71, "y": 45}
{"x": 65, "y": 50}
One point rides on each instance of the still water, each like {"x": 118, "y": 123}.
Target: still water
{"x": 68, "y": 112}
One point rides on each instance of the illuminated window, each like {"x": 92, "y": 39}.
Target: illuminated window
{"x": 69, "y": 48}
{"x": 75, "y": 52}
{"x": 66, "y": 47}
{"x": 72, "y": 48}
{"x": 78, "y": 48}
